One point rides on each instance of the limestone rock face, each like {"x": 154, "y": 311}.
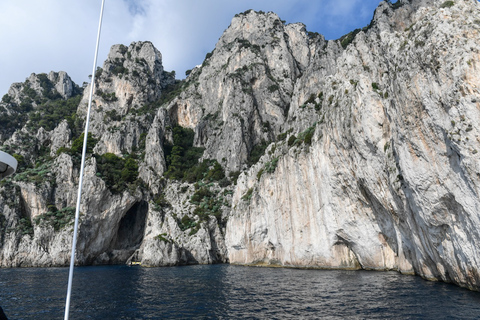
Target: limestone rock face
{"x": 389, "y": 178}
{"x": 23, "y": 98}
{"x": 360, "y": 152}
{"x": 119, "y": 223}
{"x": 154, "y": 165}
{"x": 132, "y": 78}
{"x": 166, "y": 244}
{"x": 63, "y": 83}
{"x": 42, "y": 84}
{"x": 244, "y": 87}
{"x": 60, "y": 137}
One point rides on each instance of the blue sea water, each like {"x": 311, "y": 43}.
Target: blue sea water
{"x": 230, "y": 292}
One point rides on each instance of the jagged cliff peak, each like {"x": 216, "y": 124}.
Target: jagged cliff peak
{"x": 256, "y": 62}
{"x": 141, "y": 51}
{"x": 40, "y": 86}
{"x": 132, "y": 76}
{"x": 26, "y": 101}
{"x": 256, "y": 26}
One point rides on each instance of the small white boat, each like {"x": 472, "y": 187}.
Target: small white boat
{"x": 8, "y": 165}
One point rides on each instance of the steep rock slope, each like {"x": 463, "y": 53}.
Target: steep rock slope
{"x": 119, "y": 213}
{"x": 389, "y": 177}
{"x": 239, "y": 98}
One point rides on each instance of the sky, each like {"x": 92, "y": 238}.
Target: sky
{"x": 58, "y": 35}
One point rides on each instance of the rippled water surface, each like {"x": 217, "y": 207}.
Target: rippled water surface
{"x": 230, "y": 292}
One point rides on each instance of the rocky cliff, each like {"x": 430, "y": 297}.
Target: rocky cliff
{"x": 282, "y": 148}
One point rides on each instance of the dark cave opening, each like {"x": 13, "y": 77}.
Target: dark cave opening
{"x": 132, "y": 227}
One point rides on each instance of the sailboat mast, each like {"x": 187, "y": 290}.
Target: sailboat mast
{"x": 82, "y": 168}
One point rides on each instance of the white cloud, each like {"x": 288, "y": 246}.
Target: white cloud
{"x": 40, "y": 36}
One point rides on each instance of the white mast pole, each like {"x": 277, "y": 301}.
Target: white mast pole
{"x": 82, "y": 167}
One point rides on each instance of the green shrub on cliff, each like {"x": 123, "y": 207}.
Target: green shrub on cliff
{"x": 207, "y": 204}
{"x": 58, "y": 219}
{"x": 118, "y": 173}
{"x": 182, "y": 156}
{"x": 77, "y": 146}
{"x": 248, "y": 195}
{"x": 257, "y": 152}
{"x": 186, "y": 223}
{"x": 307, "y": 135}
{"x": 291, "y": 140}
{"x": 164, "y": 238}
{"x": 348, "y": 38}
{"x": 25, "y": 226}
{"x": 49, "y": 114}
{"x": 447, "y": 4}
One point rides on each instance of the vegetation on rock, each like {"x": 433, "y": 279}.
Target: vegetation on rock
{"x": 181, "y": 156}
{"x": 118, "y": 173}
{"x": 58, "y": 219}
